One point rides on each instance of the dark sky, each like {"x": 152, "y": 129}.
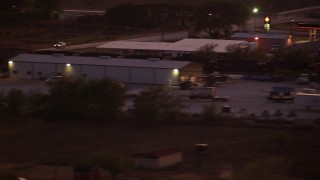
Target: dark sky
{"x": 265, "y": 4}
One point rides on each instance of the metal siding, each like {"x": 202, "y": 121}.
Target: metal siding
{"x": 92, "y": 72}
{"x": 71, "y": 71}
{"x": 142, "y": 75}
{"x": 120, "y": 74}
{"x": 164, "y": 76}
{"x": 61, "y": 69}
{"x": 43, "y": 70}
{"x": 21, "y": 68}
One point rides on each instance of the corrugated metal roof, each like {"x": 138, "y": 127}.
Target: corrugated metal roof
{"x": 196, "y": 44}
{"x": 260, "y": 35}
{"x": 185, "y": 45}
{"x": 103, "y": 61}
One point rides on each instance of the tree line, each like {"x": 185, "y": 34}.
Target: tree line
{"x": 89, "y": 100}
{"x": 214, "y": 17}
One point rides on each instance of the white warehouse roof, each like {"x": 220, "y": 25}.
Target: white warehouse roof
{"x": 103, "y": 61}
{"x": 185, "y": 45}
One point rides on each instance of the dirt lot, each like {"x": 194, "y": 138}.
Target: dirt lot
{"x": 230, "y": 148}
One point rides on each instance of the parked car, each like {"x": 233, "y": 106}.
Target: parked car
{"x": 53, "y": 79}
{"x": 60, "y": 45}
{"x": 303, "y": 79}
{"x": 274, "y": 48}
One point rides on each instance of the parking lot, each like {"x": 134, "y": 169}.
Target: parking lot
{"x": 249, "y": 95}
{"x": 242, "y": 94}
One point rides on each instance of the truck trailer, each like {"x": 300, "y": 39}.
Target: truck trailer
{"x": 307, "y": 100}
{"x": 206, "y": 93}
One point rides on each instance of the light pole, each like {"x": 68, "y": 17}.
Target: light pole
{"x": 291, "y": 22}
{"x": 255, "y": 11}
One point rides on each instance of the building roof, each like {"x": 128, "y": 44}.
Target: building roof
{"x": 159, "y": 153}
{"x": 309, "y": 25}
{"x": 196, "y": 44}
{"x": 185, "y": 45}
{"x": 102, "y": 60}
{"x": 301, "y": 10}
{"x": 260, "y": 35}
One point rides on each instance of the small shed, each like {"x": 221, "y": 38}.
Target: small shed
{"x": 157, "y": 159}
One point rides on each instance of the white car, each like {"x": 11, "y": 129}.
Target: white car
{"x": 60, "y": 45}
{"x": 53, "y": 79}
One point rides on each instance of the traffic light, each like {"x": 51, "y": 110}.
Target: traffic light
{"x": 267, "y": 22}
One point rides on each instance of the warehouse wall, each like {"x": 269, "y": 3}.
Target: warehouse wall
{"x": 42, "y": 71}
{"x": 120, "y": 74}
{"x": 21, "y": 70}
{"x": 136, "y": 75}
{"x": 93, "y": 72}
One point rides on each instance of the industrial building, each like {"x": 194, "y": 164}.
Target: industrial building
{"x": 265, "y": 41}
{"x": 135, "y": 71}
{"x": 179, "y": 48}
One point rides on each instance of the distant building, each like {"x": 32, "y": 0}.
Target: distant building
{"x": 135, "y": 71}
{"x": 179, "y": 48}
{"x": 265, "y": 41}
{"x": 157, "y": 159}
{"x": 312, "y": 48}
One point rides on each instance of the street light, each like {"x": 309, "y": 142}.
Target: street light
{"x": 255, "y": 12}
{"x": 291, "y": 22}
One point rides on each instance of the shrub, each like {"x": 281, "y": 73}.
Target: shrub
{"x": 13, "y": 104}
{"x": 114, "y": 163}
{"x": 209, "y": 113}
{"x": 79, "y": 100}
{"x": 266, "y": 169}
{"x": 282, "y": 139}
{"x": 155, "y": 106}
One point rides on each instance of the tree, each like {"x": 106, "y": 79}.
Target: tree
{"x": 156, "y": 105}
{"x": 47, "y": 6}
{"x": 293, "y": 60}
{"x": 114, "y": 163}
{"x": 8, "y": 176}
{"x": 79, "y": 99}
{"x": 14, "y": 103}
{"x": 8, "y": 6}
{"x": 217, "y": 17}
{"x": 149, "y": 15}
{"x": 126, "y": 15}
{"x": 266, "y": 169}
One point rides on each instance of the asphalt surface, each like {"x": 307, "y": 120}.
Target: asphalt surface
{"x": 251, "y": 96}
{"x": 245, "y": 94}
